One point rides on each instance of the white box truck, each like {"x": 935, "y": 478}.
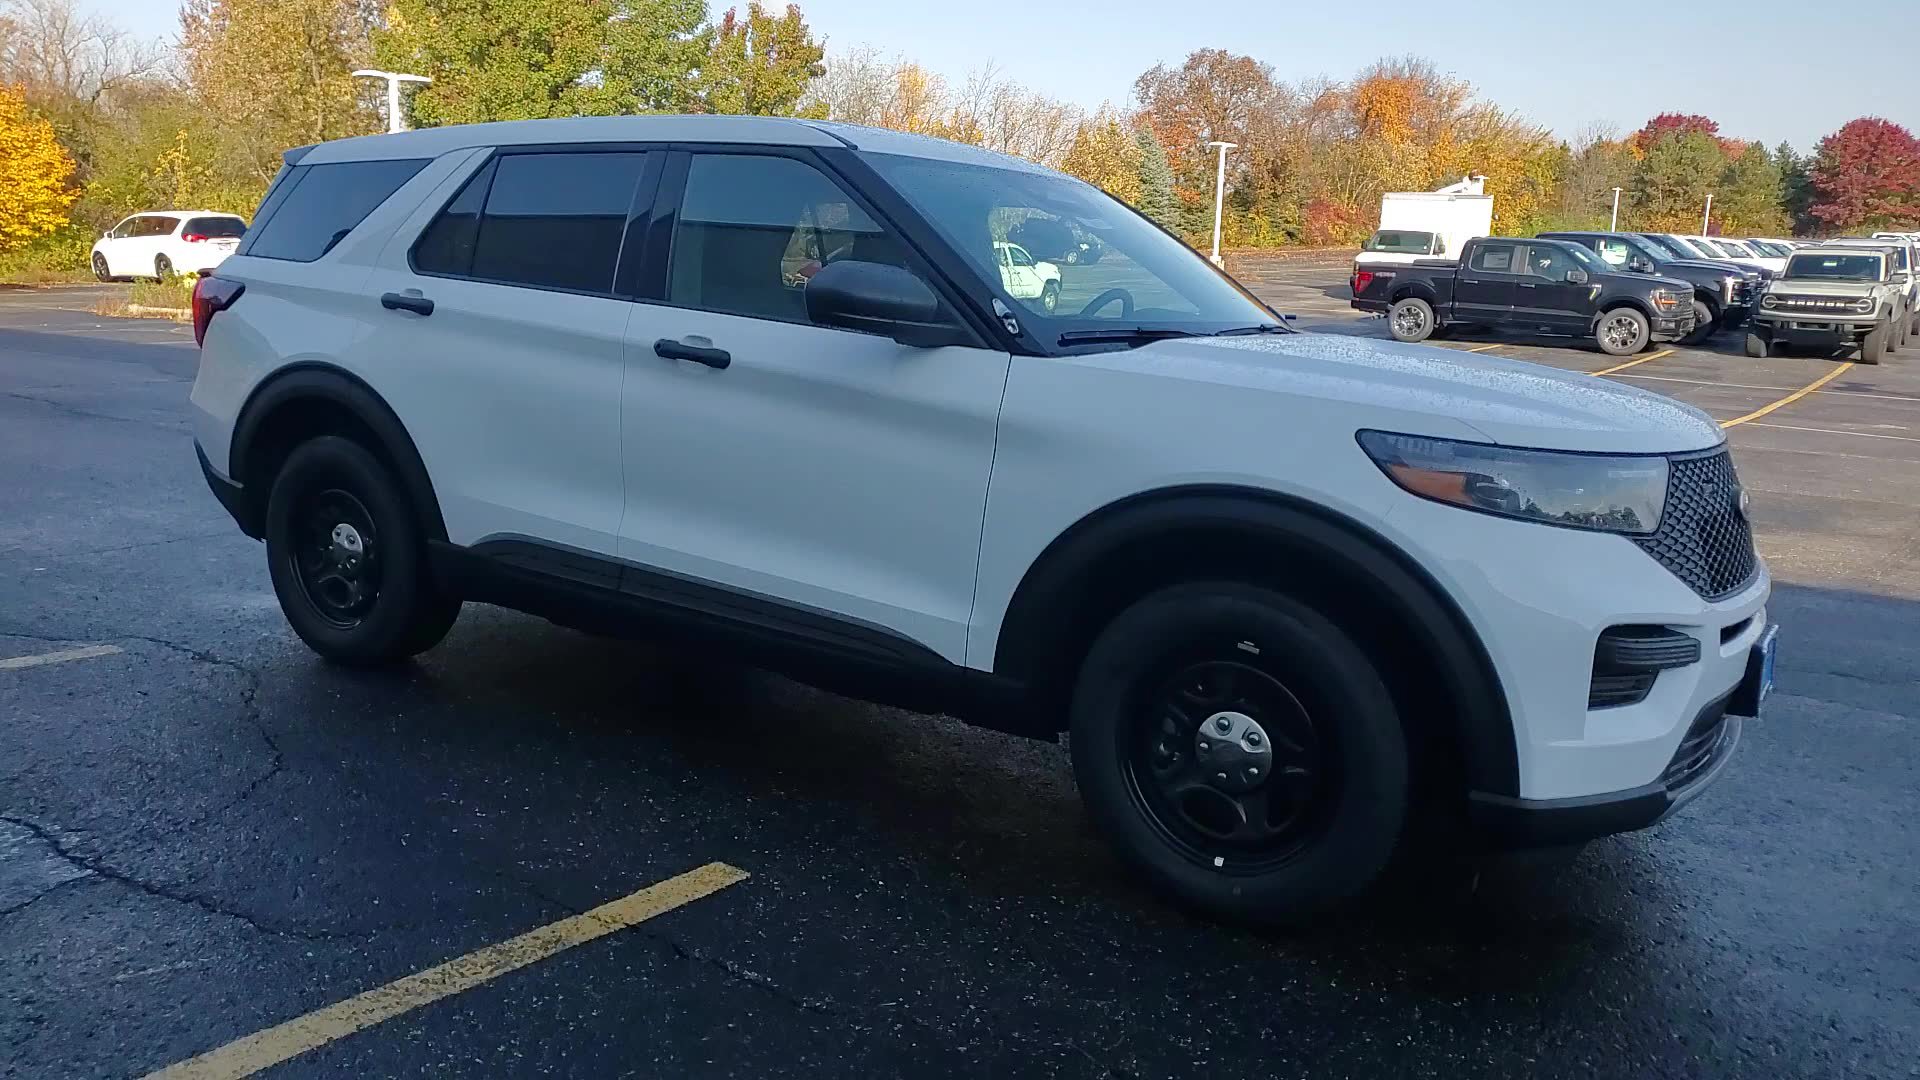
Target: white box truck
{"x": 1429, "y": 224}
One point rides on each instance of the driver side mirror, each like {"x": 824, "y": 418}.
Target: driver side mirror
{"x": 876, "y": 298}
{"x": 1901, "y": 277}
{"x": 1640, "y": 264}
{"x": 1576, "y": 277}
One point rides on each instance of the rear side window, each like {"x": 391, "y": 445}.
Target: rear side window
{"x": 549, "y": 221}
{"x": 155, "y": 226}
{"x": 322, "y": 205}
{"x": 215, "y": 228}
{"x": 1496, "y": 258}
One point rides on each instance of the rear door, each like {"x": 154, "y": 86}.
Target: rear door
{"x": 1544, "y": 297}
{"x": 494, "y": 310}
{"x": 819, "y": 469}
{"x": 1486, "y": 284}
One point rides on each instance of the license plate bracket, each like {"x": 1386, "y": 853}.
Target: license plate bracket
{"x": 1755, "y": 687}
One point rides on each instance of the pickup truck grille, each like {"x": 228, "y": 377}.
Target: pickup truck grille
{"x": 1743, "y": 290}
{"x": 1825, "y": 304}
{"x": 1704, "y": 537}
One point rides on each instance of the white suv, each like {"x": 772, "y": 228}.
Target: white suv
{"x": 758, "y": 386}
{"x": 165, "y": 243}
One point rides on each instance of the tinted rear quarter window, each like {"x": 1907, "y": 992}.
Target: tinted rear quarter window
{"x": 323, "y": 203}
{"x": 556, "y": 220}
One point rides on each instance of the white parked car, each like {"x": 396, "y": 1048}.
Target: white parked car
{"x": 1025, "y": 277}
{"x": 1725, "y": 248}
{"x": 1290, "y": 593}
{"x": 163, "y": 243}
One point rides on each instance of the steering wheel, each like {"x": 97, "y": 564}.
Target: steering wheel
{"x": 1108, "y": 297}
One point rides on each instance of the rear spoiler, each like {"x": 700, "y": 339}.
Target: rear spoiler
{"x": 293, "y": 156}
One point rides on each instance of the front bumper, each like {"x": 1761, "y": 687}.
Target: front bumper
{"x": 1671, "y": 327}
{"x": 1812, "y": 330}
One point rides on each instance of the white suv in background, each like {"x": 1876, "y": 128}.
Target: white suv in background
{"x": 167, "y": 242}
{"x": 765, "y": 387}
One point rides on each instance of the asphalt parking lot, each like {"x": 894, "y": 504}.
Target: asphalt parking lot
{"x": 211, "y": 843}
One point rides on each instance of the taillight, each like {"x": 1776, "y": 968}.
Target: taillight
{"x": 210, "y": 296}
{"x": 1361, "y": 279}
{"x": 193, "y": 237}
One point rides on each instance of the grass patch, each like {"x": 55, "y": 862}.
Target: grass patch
{"x": 58, "y": 259}
{"x": 169, "y": 299}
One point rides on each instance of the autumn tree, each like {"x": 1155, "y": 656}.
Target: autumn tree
{"x": 34, "y": 170}
{"x": 1673, "y": 124}
{"x": 1867, "y": 176}
{"x": 761, "y": 65}
{"x": 527, "y": 59}
{"x": 1750, "y": 199}
{"x": 1106, "y": 156}
{"x": 1596, "y": 164}
{"x": 277, "y": 72}
{"x": 1671, "y": 183}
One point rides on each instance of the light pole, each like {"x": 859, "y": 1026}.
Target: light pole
{"x": 1614, "y": 225}
{"x": 395, "y": 121}
{"x": 1219, "y": 196}
{"x": 1708, "y": 216}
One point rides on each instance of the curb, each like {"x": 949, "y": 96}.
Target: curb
{"x": 145, "y": 312}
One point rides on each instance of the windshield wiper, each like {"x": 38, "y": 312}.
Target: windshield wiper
{"x": 1263, "y": 328}
{"x": 1125, "y": 335}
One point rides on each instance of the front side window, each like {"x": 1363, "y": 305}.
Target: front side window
{"x": 753, "y": 229}
{"x": 1496, "y": 258}
{"x": 1138, "y": 277}
{"x": 323, "y": 203}
{"x": 124, "y": 229}
{"x": 1551, "y": 263}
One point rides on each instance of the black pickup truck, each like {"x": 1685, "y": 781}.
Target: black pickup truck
{"x": 1547, "y": 286}
{"x": 1724, "y": 293}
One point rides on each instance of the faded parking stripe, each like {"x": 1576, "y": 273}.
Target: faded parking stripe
{"x": 58, "y": 656}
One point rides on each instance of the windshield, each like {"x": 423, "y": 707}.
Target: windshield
{"x": 1588, "y": 259}
{"x": 1835, "y": 267}
{"x": 1734, "y": 248}
{"x": 1133, "y": 275}
{"x": 1772, "y": 251}
{"x": 1663, "y": 249}
{"x": 1400, "y": 242}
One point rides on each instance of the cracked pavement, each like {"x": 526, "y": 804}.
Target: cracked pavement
{"x": 210, "y": 831}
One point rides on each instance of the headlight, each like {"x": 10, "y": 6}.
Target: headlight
{"x": 1769, "y": 300}
{"x": 1864, "y": 305}
{"x": 1664, "y": 298}
{"x": 1582, "y": 491}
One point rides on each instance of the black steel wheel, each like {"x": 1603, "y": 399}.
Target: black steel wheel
{"x": 348, "y": 561}
{"x": 1240, "y": 751}
{"x": 162, "y": 268}
{"x": 100, "y": 271}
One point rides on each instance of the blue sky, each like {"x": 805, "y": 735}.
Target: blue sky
{"x": 1563, "y": 64}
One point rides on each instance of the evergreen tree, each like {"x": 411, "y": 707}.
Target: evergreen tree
{"x": 1157, "y": 200}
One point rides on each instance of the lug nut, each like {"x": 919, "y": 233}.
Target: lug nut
{"x": 1223, "y": 724}
{"x": 1253, "y": 738}
{"x": 1222, "y": 777}
{"x": 1205, "y": 746}
{"x": 1253, "y": 772}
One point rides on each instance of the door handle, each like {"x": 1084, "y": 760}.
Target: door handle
{"x": 394, "y": 301}
{"x": 1527, "y": 285}
{"x": 699, "y": 354}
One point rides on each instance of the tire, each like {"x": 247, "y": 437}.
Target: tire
{"x": 100, "y": 271}
{"x": 1706, "y": 322}
{"x": 1072, "y": 257}
{"x": 1050, "y": 296}
{"x": 377, "y": 608}
{"x": 162, "y": 268}
{"x": 1411, "y": 320}
{"x": 1347, "y": 819}
{"x": 1621, "y": 331}
{"x": 1874, "y": 345}
{"x": 1758, "y": 347}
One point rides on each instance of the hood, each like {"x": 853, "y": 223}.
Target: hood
{"x": 1716, "y": 267}
{"x": 1819, "y": 287}
{"x": 1510, "y": 402}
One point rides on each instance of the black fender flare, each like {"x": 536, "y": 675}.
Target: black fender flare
{"x": 1042, "y": 606}
{"x": 1633, "y": 302}
{"x": 316, "y": 382}
{"x": 1416, "y": 290}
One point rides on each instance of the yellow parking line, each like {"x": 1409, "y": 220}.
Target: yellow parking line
{"x": 58, "y": 656}
{"x": 1790, "y": 398}
{"x": 244, "y": 1057}
{"x": 1632, "y": 363}
{"x": 1484, "y": 348}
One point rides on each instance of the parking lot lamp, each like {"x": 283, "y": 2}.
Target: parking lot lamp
{"x": 1219, "y": 195}
{"x": 1708, "y": 216}
{"x": 1614, "y": 225}
{"x": 395, "y": 121}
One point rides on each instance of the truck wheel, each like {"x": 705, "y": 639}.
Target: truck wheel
{"x": 1050, "y": 296}
{"x": 1875, "y": 343}
{"x": 1411, "y": 320}
{"x": 1758, "y": 347}
{"x": 346, "y": 558}
{"x": 1622, "y": 332}
{"x": 1705, "y": 322}
{"x": 1240, "y": 751}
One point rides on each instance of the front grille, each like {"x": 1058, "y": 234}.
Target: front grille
{"x": 1826, "y": 304}
{"x": 1704, "y": 537}
{"x": 1743, "y": 291}
{"x": 1696, "y": 749}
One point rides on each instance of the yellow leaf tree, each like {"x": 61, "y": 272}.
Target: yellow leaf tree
{"x": 34, "y": 170}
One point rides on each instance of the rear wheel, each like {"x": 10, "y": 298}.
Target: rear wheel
{"x": 347, "y": 559}
{"x": 1240, "y": 751}
{"x": 1411, "y": 320}
{"x": 162, "y": 267}
{"x": 1758, "y": 347}
{"x": 1622, "y": 332}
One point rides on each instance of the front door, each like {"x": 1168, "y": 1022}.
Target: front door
{"x": 1544, "y": 296}
{"x": 800, "y": 466}
{"x": 1483, "y": 289}
{"x": 498, "y": 336}
{"x": 1018, "y": 274}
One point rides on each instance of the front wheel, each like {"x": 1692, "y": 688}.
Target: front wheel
{"x": 1411, "y": 320}
{"x": 1240, "y": 751}
{"x": 1758, "y": 347}
{"x": 1705, "y": 322}
{"x": 1622, "y": 332}
{"x": 100, "y": 271}
{"x": 1050, "y": 296}
{"x": 347, "y": 559}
